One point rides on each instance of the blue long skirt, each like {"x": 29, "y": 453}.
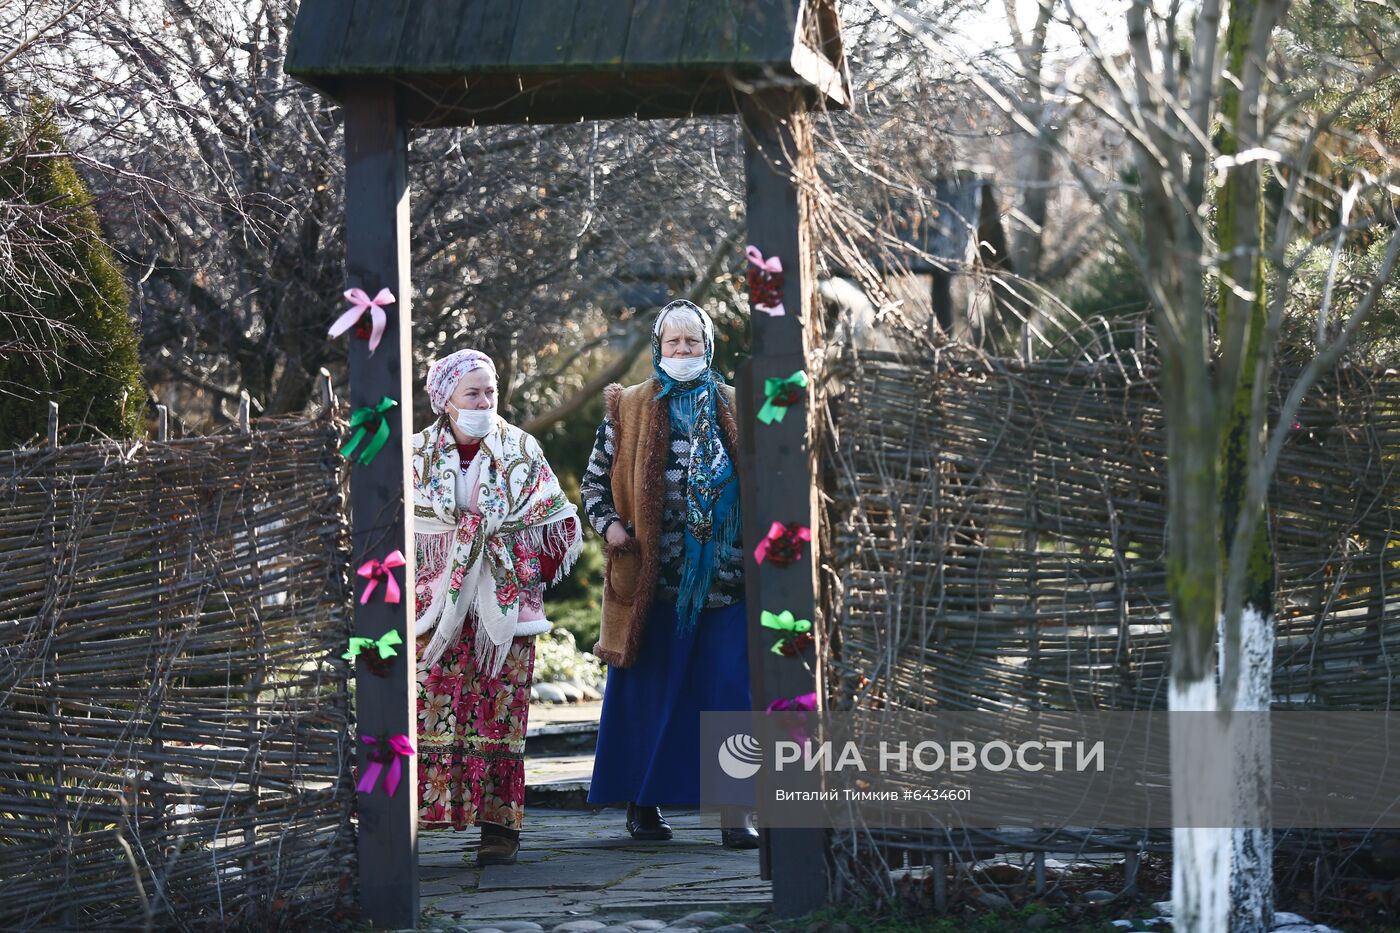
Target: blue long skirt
{"x": 649, "y": 733}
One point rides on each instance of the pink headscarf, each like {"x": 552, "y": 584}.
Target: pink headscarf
{"x": 444, "y": 375}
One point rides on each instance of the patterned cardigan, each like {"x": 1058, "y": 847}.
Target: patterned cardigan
{"x": 596, "y": 488}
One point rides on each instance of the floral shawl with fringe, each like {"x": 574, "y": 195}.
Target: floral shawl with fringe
{"x": 467, "y": 558}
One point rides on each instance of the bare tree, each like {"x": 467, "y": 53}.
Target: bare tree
{"x": 1168, "y": 81}
{"x": 218, "y": 179}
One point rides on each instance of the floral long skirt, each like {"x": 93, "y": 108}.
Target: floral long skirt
{"x": 471, "y": 736}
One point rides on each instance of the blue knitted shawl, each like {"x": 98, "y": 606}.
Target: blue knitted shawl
{"x": 711, "y": 486}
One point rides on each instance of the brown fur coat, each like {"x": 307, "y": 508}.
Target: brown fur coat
{"x": 643, "y": 435}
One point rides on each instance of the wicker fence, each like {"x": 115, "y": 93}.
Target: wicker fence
{"x": 996, "y": 540}
{"x": 174, "y": 719}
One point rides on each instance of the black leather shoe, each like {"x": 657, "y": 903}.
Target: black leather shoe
{"x": 737, "y": 830}
{"x": 745, "y": 838}
{"x": 647, "y": 823}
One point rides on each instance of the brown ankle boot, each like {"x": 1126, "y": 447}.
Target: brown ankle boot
{"x": 499, "y": 845}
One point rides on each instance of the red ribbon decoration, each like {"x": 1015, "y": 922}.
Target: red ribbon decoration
{"x": 795, "y": 645}
{"x": 783, "y": 544}
{"x": 381, "y": 753}
{"x": 374, "y": 571}
{"x": 765, "y": 282}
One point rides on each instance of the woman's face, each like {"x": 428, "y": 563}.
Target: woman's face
{"x": 476, "y": 391}
{"x": 679, "y": 343}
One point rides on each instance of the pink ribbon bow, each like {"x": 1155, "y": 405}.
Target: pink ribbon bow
{"x": 360, "y": 302}
{"x": 789, "y": 535}
{"x": 771, "y": 264}
{"x": 374, "y": 571}
{"x": 379, "y": 755}
{"x": 766, "y": 282}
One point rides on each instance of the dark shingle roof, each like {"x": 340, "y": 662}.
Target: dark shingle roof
{"x": 506, "y": 61}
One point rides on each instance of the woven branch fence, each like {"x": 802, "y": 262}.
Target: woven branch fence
{"x": 175, "y": 745}
{"x": 996, "y": 540}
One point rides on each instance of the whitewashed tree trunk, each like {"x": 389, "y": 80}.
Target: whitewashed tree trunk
{"x": 1222, "y": 875}
{"x": 1200, "y": 854}
{"x": 1252, "y": 847}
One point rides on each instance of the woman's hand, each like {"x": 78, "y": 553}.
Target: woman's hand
{"x": 617, "y": 535}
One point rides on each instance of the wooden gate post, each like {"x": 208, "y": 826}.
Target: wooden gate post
{"x": 776, "y": 477}
{"x": 376, "y": 256}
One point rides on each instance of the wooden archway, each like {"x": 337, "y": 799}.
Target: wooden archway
{"x": 397, "y": 65}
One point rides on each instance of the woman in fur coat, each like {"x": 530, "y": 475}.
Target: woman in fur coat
{"x": 662, "y": 490}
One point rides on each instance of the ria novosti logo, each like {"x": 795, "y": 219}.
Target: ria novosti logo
{"x": 740, "y": 756}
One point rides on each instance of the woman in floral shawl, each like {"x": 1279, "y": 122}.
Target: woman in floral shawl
{"x": 491, "y": 528}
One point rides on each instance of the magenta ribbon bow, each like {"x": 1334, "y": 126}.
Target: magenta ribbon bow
{"x": 379, "y": 755}
{"x": 770, "y": 276}
{"x": 375, "y": 570}
{"x": 802, "y": 703}
{"x": 360, "y": 302}
{"x": 777, "y": 533}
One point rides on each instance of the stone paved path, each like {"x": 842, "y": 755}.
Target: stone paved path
{"x": 579, "y": 871}
{"x": 547, "y": 714}
{"x": 581, "y": 865}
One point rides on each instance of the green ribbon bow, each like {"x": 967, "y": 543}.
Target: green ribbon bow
{"x": 383, "y": 644}
{"x": 784, "y": 622}
{"x": 360, "y": 422}
{"x": 781, "y": 394}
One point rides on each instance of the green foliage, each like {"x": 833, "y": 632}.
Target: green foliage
{"x": 1378, "y": 341}
{"x": 585, "y": 581}
{"x": 1335, "y": 47}
{"x": 581, "y": 617}
{"x": 1341, "y": 65}
{"x": 1111, "y": 285}
{"x": 557, "y": 657}
{"x": 575, "y": 608}
{"x": 73, "y": 283}
{"x": 576, "y": 603}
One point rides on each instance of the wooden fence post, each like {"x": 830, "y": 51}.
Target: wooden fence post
{"x": 257, "y": 638}
{"x": 158, "y": 669}
{"x": 775, "y": 475}
{"x": 376, "y": 256}
{"x": 63, "y": 824}
{"x": 327, "y": 394}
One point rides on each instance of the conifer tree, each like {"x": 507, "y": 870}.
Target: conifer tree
{"x": 63, "y": 319}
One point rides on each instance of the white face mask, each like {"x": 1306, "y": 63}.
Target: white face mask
{"x": 476, "y": 423}
{"x": 684, "y": 369}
